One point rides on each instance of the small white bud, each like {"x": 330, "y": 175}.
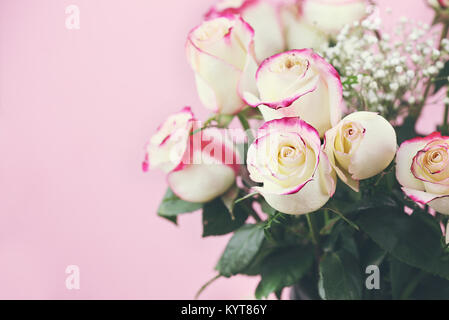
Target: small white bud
{"x": 394, "y": 86}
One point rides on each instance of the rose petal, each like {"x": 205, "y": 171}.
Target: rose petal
{"x": 313, "y": 196}
{"x": 439, "y": 203}
{"x": 377, "y": 149}
{"x": 200, "y": 183}
{"x": 404, "y": 159}
{"x": 329, "y": 150}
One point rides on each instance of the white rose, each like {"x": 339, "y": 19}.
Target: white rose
{"x": 438, "y": 4}
{"x": 361, "y": 146}
{"x": 221, "y": 53}
{"x": 299, "y": 33}
{"x": 310, "y": 23}
{"x": 263, "y": 18}
{"x": 200, "y": 166}
{"x": 287, "y": 159}
{"x": 299, "y": 83}
{"x": 422, "y": 168}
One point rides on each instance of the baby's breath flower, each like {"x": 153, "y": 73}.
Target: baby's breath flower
{"x": 391, "y": 69}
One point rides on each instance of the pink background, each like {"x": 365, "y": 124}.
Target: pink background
{"x": 76, "y": 108}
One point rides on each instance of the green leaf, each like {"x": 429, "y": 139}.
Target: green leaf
{"x": 278, "y": 294}
{"x": 408, "y": 238}
{"x": 217, "y": 220}
{"x": 241, "y": 250}
{"x": 400, "y": 276}
{"x": 267, "y": 208}
{"x": 283, "y": 269}
{"x": 371, "y": 253}
{"x": 229, "y": 199}
{"x": 341, "y": 277}
{"x": 432, "y": 288}
{"x": 256, "y": 265}
{"x": 171, "y": 206}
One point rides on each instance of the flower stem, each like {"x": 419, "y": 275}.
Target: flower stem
{"x": 246, "y": 127}
{"x": 444, "y": 34}
{"x": 445, "y": 127}
{"x": 314, "y": 235}
{"x": 412, "y": 286}
{"x": 208, "y": 283}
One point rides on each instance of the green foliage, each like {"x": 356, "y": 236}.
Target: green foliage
{"x": 283, "y": 268}
{"x": 172, "y": 206}
{"x": 407, "y": 238}
{"x": 441, "y": 80}
{"x": 218, "y": 220}
{"x": 241, "y": 250}
{"x": 341, "y": 276}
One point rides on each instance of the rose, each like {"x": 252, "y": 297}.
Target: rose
{"x": 309, "y": 23}
{"x": 263, "y": 18}
{"x": 221, "y": 53}
{"x": 438, "y": 4}
{"x": 299, "y": 33}
{"x": 444, "y": 3}
{"x": 361, "y": 146}
{"x": 299, "y": 83}
{"x": 287, "y": 159}
{"x": 200, "y": 166}
{"x": 422, "y": 168}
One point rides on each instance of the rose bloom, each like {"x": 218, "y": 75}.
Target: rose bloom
{"x": 422, "y": 168}
{"x": 437, "y": 4}
{"x": 310, "y": 23}
{"x": 299, "y": 83}
{"x": 200, "y": 166}
{"x": 263, "y": 18}
{"x": 361, "y": 146}
{"x": 287, "y": 159}
{"x": 221, "y": 53}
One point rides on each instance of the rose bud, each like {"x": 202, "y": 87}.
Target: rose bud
{"x": 263, "y": 18}
{"x": 310, "y": 23}
{"x": 287, "y": 159}
{"x": 438, "y": 4}
{"x": 361, "y": 146}
{"x": 199, "y": 166}
{"x": 221, "y": 53}
{"x": 422, "y": 168}
{"x": 298, "y": 33}
{"x": 299, "y": 83}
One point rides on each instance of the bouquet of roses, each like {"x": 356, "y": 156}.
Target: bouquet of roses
{"x": 327, "y": 188}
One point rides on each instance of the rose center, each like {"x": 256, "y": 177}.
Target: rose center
{"x": 213, "y": 30}
{"x": 287, "y": 152}
{"x": 291, "y": 63}
{"x": 350, "y": 133}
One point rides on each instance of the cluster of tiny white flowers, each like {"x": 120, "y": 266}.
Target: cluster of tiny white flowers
{"x": 387, "y": 73}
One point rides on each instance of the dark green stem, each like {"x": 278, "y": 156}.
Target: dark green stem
{"x": 208, "y": 283}
{"x": 412, "y": 286}
{"x": 314, "y": 233}
{"x": 418, "y": 111}
{"x": 246, "y": 127}
{"x": 445, "y": 128}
